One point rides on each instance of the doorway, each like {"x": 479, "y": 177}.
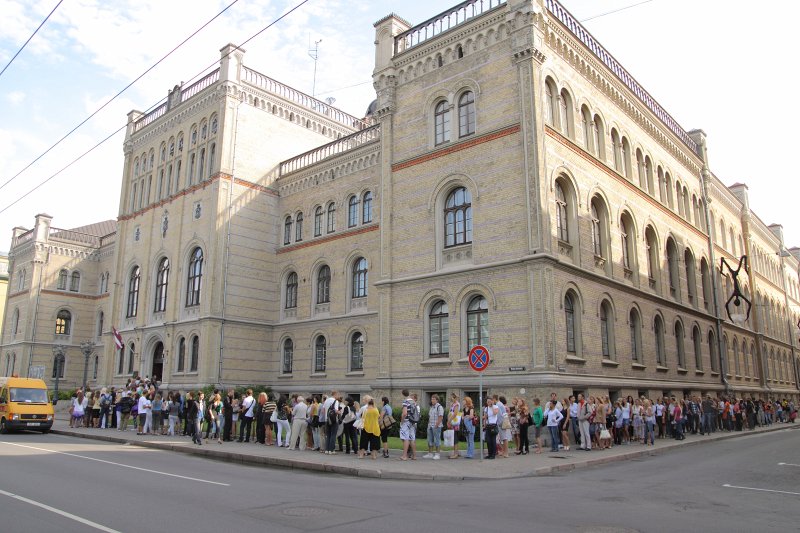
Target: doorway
{"x": 158, "y": 362}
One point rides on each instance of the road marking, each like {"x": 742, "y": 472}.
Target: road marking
{"x": 118, "y": 464}
{"x": 59, "y": 512}
{"x": 761, "y": 490}
{"x": 787, "y": 464}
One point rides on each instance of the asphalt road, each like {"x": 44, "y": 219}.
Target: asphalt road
{"x": 52, "y": 483}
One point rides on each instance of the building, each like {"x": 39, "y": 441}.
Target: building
{"x": 3, "y": 286}
{"x": 511, "y": 186}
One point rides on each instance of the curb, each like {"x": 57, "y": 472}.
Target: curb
{"x": 353, "y": 471}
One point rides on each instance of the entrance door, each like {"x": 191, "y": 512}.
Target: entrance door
{"x": 158, "y": 362}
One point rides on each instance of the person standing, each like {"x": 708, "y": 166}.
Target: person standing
{"x": 584, "y": 413}
{"x": 248, "y": 404}
{"x": 408, "y": 427}
{"x": 261, "y": 421}
{"x": 454, "y": 421}
{"x": 491, "y": 419}
{"x": 386, "y": 417}
{"x": 554, "y": 418}
{"x": 269, "y": 407}
{"x": 333, "y": 409}
{"x": 370, "y": 434}
{"x": 227, "y": 415}
{"x": 174, "y": 408}
{"x": 538, "y": 419}
{"x": 299, "y": 424}
{"x": 469, "y": 419}
{"x": 524, "y": 419}
{"x": 435, "y": 416}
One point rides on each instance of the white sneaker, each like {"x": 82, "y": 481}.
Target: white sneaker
{"x": 436, "y": 457}
{"x": 428, "y": 456}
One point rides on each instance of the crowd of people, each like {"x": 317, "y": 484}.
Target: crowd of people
{"x": 333, "y": 423}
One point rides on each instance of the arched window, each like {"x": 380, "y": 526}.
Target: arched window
{"x": 439, "y": 330}
{"x": 331, "y": 217}
{"x": 477, "y": 323}
{"x": 211, "y": 152}
{"x": 21, "y": 281}
{"x": 569, "y": 321}
{"x": 658, "y": 329}
{"x": 705, "y": 282}
{"x": 679, "y": 345}
{"x": 550, "y": 98}
{"x": 754, "y": 356}
{"x": 712, "y": 351}
{"x": 640, "y": 168}
{"x": 635, "y": 325}
{"x": 133, "y": 292}
{"x": 194, "y": 278}
{"x": 357, "y": 352}
{"x": 562, "y": 214}
{"x": 458, "y": 217}
{"x": 366, "y": 208}
{"x": 100, "y": 320}
{"x": 63, "y": 322}
{"x": 62, "y": 280}
{"x": 324, "y": 285}
{"x": 352, "y": 211}
{"x": 607, "y": 330}
{"x": 597, "y": 238}
{"x": 441, "y": 121}
{"x": 287, "y": 359}
{"x": 736, "y": 365}
{"x": 627, "y": 234}
{"x": 318, "y": 221}
{"x": 131, "y": 355}
{"x": 565, "y": 113}
{"x": 745, "y": 359}
{"x": 15, "y": 322}
{"x": 120, "y": 361}
{"x": 652, "y": 257}
{"x": 691, "y": 276}
{"x": 599, "y": 134}
{"x": 320, "y": 354}
{"x": 626, "y": 158}
{"x": 662, "y": 185}
{"x": 360, "y": 278}
{"x": 697, "y": 341}
{"x": 201, "y": 165}
{"x": 673, "y": 270}
{"x": 648, "y": 168}
{"x": 617, "y": 148}
{"x": 181, "y": 366}
{"x": 600, "y": 233}
{"x": 588, "y": 131}
{"x": 291, "y": 291}
{"x": 190, "y": 174}
{"x": 162, "y": 282}
{"x": 298, "y": 227}
{"x": 466, "y": 114}
{"x": 95, "y": 366}
{"x": 75, "y": 282}
{"x": 194, "y": 360}
{"x": 59, "y": 363}
{"x": 287, "y": 230}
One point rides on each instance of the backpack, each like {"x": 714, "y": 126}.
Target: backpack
{"x": 412, "y": 414}
{"x": 333, "y": 415}
{"x": 104, "y": 400}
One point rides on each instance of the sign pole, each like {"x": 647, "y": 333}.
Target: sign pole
{"x": 480, "y": 399}
{"x": 479, "y": 360}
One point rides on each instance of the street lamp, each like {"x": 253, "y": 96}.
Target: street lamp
{"x": 739, "y": 316}
{"x": 87, "y": 348}
{"x": 58, "y": 365}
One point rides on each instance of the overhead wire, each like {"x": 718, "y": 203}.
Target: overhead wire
{"x": 106, "y": 139}
{"x": 615, "y": 11}
{"x": 31, "y": 37}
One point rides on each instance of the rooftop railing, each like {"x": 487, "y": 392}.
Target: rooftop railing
{"x": 608, "y": 60}
{"x": 25, "y": 237}
{"x": 293, "y": 95}
{"x": 149, "y": 118}
{"x": 443, "y": 22}
{"x": 336, "y": 147}
{"x": 198, "y": 86}
{"x": 74, "y": 236}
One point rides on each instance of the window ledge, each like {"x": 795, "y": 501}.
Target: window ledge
{"x": 575, "y": 359}
{"x": 713, "y": 373}
{"x": 285, "y": 376}
{"x": 609, "y": 362}
{"x": 437, "y": 361}
{"x": 737, "y": 376}
{"x": 699, "y": 372}
{"x": 660, "y": 368}
{"x": 355, "y": 373}
{"x": 319, "y": 375}
{"x": 638, "y": 366}
{"x": 682, "y": 370}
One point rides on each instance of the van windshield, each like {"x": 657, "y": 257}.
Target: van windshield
{"x": 28, "y": 395}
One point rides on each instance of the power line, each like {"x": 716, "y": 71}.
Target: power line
{"x": 31, "y": 37}
{"x": 143, "y": 74}
{"x": 96, "y": 146}
{"x": 343, "y": 88}
{"x": 615, "y": 11}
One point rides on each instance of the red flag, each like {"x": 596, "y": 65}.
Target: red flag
{"x": 117, "y": 338}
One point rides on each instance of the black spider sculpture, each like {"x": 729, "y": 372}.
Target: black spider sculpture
{"x": 737, "y": 295}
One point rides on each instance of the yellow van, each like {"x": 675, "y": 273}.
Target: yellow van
{"x": 24, "y": 404}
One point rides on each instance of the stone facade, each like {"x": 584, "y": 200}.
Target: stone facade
{"x": 511, "y": 185}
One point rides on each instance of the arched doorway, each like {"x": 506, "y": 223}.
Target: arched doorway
{"x": 158, "y": 362}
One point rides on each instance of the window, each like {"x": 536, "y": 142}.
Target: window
{"x": 562, "y": 219}
{"x": 133, "y": 292}
{"x": 288, "y": 356}
{"x": 565, "y": 113}
{"x": 588, "y": 128}
{"x": 291, "y": 291}
{"x": 15, "y": 322}
{"x": 331, "y": 217}
{"x": 606, "y": 330}
{"x": 712, "y": 351}
{"x": 320, "y": 354}
{"x": 626, "y": 158}
{"x": 95, "y": 366}
{"x": 324, "y": 285}
{"x": 550, "y": 102}
{"x": 162, "y": 282}
{"x": 287, "y": 230}
{"x": 691, "y": 276}
{"x": 745, "y": 359}
{"x": 652, "y": 257}
{"x": 366, "y": 208}
{"x": 131, "y": 354}
{"x": 352, "y": 212}
{"x": 705, "y": 282}
{"x": 635, "y": 324}
{"x": 617, "y": 147}
{"x": 477, "y": 323}
{"x": 195, "y": 358}
{"x": 658, "y": 329}
{"x": 458, "y": 217}
{"x": 357, "y": 352}
{"x": 599, "y": 134}
{"x": 63, "y": 322}
{"x": 697, "y": 341}
{"x": 211, "y": 152}
{"x": 181, "y": 366}
{"x": 100, "y": 320}
{"x": 58, "y": 366}
{"x": 600, "y": 240}
{"x": 628, "y": 243}
{"x": 648, "y": 168}
{"x": 298, "y": 227}
{"x": 120, "y": 361}
{"x": 680, "y": 349}
{"x": 62, "y": 280}
{"x": 75, "y": 282}
{"x": 201, "y": 165}
{"x": 736, "y": 365}
{"x": 21, "y": 281}
{"x": 569, "y": 321}
{"x": 597, "y": 244}
{"x": 190, "y": 174}
{"x": 466, "y": 114}
{"x": 194, "y": 278}
{"x": 441, "y": 122}
{"x": 439, "y": 330}
{"x": 11, "y": 363}
{"x": 318, "y": 221}
{"x": 672, "y": 269}
{"x": 360, "y": 278}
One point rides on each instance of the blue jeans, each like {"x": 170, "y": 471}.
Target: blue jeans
{"x": 470, "y": 430}
{"x": 330, "y": 445}
{"x": 553, "y": 438}
{"x": 649, "y": 432}
{"x": 708, "y": 422}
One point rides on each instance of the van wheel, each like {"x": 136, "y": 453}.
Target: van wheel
{"x": 45, "y": 431}
{"x": 3, "y": 427}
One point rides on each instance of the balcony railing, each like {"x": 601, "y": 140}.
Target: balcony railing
{"x": 336, "y": 147}
{"x": 198, "y": 86}
{"x": 74, "y": 236}
{"x": 25, "y": 237}
{"x": 149, "y": 118}
{"x": 613, "y": 65}
{"x": 443, "y": 22}
{"x": 293, "y": 95}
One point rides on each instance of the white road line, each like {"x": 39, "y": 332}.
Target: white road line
{"x": 761, "y": 490}
{"x": 118, "y": 464}
{"x": 60, "y": 512}
{"x": 787, "y": 464}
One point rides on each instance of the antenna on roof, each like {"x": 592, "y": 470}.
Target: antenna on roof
{"x": 314, "y": 54}
{"x": 330, "y": 100}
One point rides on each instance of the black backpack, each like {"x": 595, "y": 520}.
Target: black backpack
{"x": 412, "y": 413}
{"x": 333, "y": 415}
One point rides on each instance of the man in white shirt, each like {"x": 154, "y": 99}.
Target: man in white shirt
{"x": 247, "y": 416}
{"x": 143, "y": 409}
{"x": 435, "y": 417}
{"x": 332, "y": 424}
{"x": 299, "y": 424}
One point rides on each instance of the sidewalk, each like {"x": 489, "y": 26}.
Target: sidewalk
{"x": 421, "y": 469}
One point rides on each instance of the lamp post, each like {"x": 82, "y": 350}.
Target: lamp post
{"x": 87, "y": 348}
{"x": 58, "y": 365}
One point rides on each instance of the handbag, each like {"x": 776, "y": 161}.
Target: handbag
{"x": 506, "y": 424}
{"x": 605, "y": 434}
{"x": 491, "y": 429}
{"x": 273, "y": 417}
{"x": 359, "y": 424}
{"x": 449, "y": 437}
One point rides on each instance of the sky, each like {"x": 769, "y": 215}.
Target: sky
{"x": 720, "y": 65}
